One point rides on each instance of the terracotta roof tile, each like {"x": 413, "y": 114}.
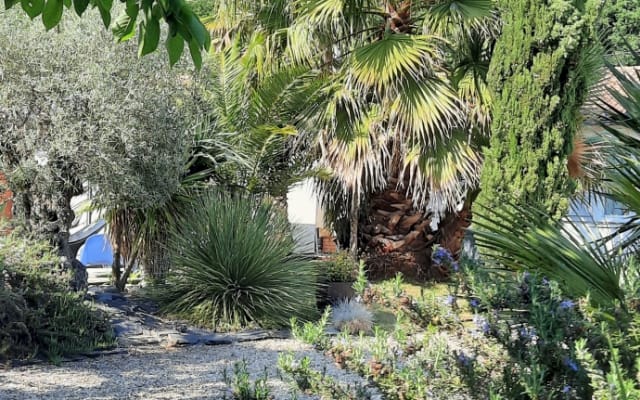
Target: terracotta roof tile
{"x": 600, "y": 94}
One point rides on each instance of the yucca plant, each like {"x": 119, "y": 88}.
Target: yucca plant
{"x": 233, "y": 265}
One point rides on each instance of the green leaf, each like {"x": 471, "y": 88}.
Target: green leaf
{"x": 104, "y": 6}
{"x": 67, "y": 3}
{"x": 196, "y": 56}
{"x": 150, "y": 38}
{"x": 124, "y": 27}
{"x": 10, "y": 3}
{"x": 463, "y": 9}
{"x": 80, "y": 6}
{"x": 175, "y": 46}
{"x": 156, "y": 11}
{"x": 198, "y": 31}
{"x": 52, "y": 13}
{"x": 387, "y": 61}
{"x": 132, "y": 9}
{"x": 106, "y": 16}
{"x": 33, "y": 8}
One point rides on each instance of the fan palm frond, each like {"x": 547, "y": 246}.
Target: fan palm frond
{"x": 524, "y": 238}
{"x": 382, "y": 63}
{"x": 360, "y": 160}
{"x": 336, "y": 15}
{"x": 441, "y": 176}
{"x": 447, "y": 16}
{"x": 427, "y": 110}
{"x": 621, "y": 122}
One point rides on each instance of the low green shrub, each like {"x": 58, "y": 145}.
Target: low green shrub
{"x": 538, "y": 326}
{"x": 233, "y": 264}
{"x": 341, "y": 267}
{"x": 312, "y": 332}
{"x": 559, "y": 347}
{"x": 38, "y": 315}
{"x": 241, "y": 385}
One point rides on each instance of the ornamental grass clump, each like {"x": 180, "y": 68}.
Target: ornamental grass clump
{"x": 233, "y": 265}
{"x": 352, "y": 316}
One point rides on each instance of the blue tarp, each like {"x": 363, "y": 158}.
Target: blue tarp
{"x": 96, "y": 251}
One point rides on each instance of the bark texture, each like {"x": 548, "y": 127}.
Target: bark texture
{"x": 396, "y": 237}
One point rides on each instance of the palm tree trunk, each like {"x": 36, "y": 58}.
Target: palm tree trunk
{"x": 354, "y": 216}
{"x": 396, "y": 237}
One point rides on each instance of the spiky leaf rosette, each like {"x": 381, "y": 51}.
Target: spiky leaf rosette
{"x": 233, "y": 263}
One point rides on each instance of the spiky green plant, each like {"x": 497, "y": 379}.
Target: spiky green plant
{"x": 233, "y": 265}
{"x": 524, "y": 238}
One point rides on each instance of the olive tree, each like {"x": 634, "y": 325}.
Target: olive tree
{"x": 77, "y": 109}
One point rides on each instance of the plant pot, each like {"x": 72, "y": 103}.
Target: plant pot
{"x": 337, "y": 291}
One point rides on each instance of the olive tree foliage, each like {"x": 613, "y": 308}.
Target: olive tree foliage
{"x": 141, "y": 16}
{"x": 77, "y": 108}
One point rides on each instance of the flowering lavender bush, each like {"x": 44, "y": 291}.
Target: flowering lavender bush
{"x": 442, "y": 257}
{"x": 538, "y": 326}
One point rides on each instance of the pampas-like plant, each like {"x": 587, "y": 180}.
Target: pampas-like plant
{"x": 352, "y": 316}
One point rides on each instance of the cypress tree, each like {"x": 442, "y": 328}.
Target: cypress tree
{"x": 539, "y": 78}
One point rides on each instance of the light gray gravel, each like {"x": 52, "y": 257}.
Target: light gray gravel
{"x": 194, "y": 372}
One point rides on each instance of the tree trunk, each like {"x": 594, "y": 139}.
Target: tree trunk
{"x": 64, "y": 217}
{"x": 396, "y": 237}
{"x": 123, "y": 277}
{"x": 156, "y": 261}
{"x": 354, "y": 216}
{"x": 452, "y": 230}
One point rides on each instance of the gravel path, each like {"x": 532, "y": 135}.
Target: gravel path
{"x": 194, "y": 372}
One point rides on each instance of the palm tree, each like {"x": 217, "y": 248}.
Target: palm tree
{"x": 401, "y": 107}
{"x": 405, "y": 107}
{"x": 257, "y": 114}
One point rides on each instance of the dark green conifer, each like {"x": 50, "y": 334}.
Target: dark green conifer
{"x": 539, "y": 77}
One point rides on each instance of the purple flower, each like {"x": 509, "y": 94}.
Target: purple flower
{"x": 441, "y": 256}
{"x": 567, "y": 304}
{"x": 474, "y": 303}
{"x": 450, "y": 300}
{"x": 545, "y": 281}
{"x": 571, "y": 364}
{"x": 528, "y": 333}
{"x": 482, "y": 324}
{"x": 566, "y": 389}
{"x": 455, "y": 266}
{"x": 464, "y": 360}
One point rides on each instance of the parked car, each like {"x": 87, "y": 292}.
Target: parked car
{"x": 96, "y": 254}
